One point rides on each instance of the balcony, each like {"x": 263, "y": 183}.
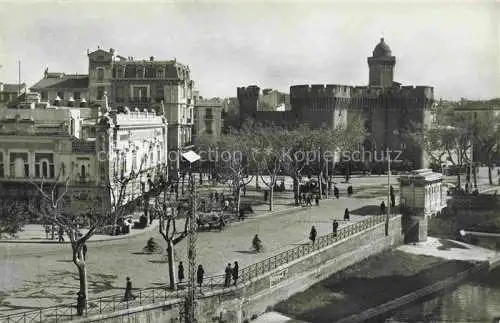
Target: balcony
{"x": 140, "y": 100}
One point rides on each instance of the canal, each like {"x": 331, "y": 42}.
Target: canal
{"x": 477, "y": 300}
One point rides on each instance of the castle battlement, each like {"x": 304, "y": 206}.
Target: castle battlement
{"x": 320, "y": 90}
{"x": 250, "y": 91}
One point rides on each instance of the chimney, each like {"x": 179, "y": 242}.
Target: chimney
{"x": 112, "y": 51}
{"x": 151, "y": 58}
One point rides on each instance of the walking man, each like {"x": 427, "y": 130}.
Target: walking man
{"x": 382, "y": 208}
{"x": 336, "y": 192}
{"x": 180, "y": 272}
{"x": 199, "y": 275}
{"x": 312, "y": 235}
{"x": 335, "y": 227}
{"x": 346, "y": 215}
{"x": 128, "y": 290}
{"x": 227, "y": 278}
{"x": 61, "y": 234}
{"x": 235, "y": 272}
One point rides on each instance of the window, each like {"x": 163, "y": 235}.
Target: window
{"x": 60, "y": 95}
{"x": 100, "y": 58}
{"x": 2, "y": 174}
{"x": 140, "y": 72}
{"x": 150, "y": 72}
{"x": 151, "y": 157}
{"x": 83, "y": 172}
{"x": 160, "y": 73}
{"x": 76, "y": 95}
{"x": 19, "y": 165}
{"x": 158, "y": 154}
{"x": 44, "y": 165}
{"x": 100, "y": 74}
{"x": 160, "y": 94}
{"x": 100, "y": 92}
{"x": 139, "y": 92}
{"x": 130, "y": 72}
{"x": 44, "y": 95}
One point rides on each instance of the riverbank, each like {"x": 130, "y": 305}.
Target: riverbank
{"x": 369, "y": 284}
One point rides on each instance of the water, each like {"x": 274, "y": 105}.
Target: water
{"x": 477, "y": 300}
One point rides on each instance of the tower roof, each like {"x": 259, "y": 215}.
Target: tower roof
{"x": 382, "y": 49}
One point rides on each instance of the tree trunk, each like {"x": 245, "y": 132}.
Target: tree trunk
{"x": 490, "y": 177}
{"x": 271, "y": 193}
{"x": 327, "y": 179}
{"x": 171, "y": 264}
{"x": 238, "y": 200}
{"x": 459, "y": 179}
{"x": 296, "y": 189}
{"x": 257, "y": 181}
{"x": 182, "y": 185}
{"x": 320, "y": 182}
{"x": 474, "y": 174}
{"x": 82, "y": 275}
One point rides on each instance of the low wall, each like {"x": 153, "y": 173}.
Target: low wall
{"x": 236, "y": 304}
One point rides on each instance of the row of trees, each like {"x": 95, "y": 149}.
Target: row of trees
{"x": 265, "y": 151}
{"x": 461, "y": 136}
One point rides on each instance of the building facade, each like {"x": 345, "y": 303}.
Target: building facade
{"x": 88, "y": 147}
{"x": 10, "y": 93}
{"x": 164, "y": 86}
{"x": 207, "y": 117}
{"x": 387, "y": 107}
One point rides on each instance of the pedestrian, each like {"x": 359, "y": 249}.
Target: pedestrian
{"x": 227, "y": 278}
{"x": 309, "y": 200}
{"x": 222, "y": 223}
{"x": 335, "y": 227}
{"x": 312, "y": 235}
{"x": 349, "y": 190}
{"x": 346, "y": 214}
{"x": 300, "y": 198}
{"x": 199, "y": 275}
{"x": 382, "y": 208}
{"x": 128, "y": 290}
{"x": 61, "y": 234}
{"x": 242, "y": 214}
{"x": 316, "y": 200}
{"x": 393, "y": 201}
{"x": 235, "y": 272}
{"x": 180, "y": 272}
{"x": 336, "y": 192}
{"x": 84, "y": 249}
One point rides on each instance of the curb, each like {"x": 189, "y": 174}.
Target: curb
{"x": 148, "y": 229}
{"x": 43, "y": 241}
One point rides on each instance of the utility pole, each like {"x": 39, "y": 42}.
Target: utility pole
{"x": 388, "y": 192}
{"x": 190, "y": 316}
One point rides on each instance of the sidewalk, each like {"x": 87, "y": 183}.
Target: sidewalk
{"x": 35, "y": 233}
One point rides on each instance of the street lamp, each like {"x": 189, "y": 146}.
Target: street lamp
{"x": 191, "y": 157}
{"x": 388, "y": 192}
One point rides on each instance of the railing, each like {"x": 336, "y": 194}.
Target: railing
{"x": 114, "y": 303}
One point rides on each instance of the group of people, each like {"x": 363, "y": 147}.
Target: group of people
{"x": 200, "y": 274}
{"x": 231, "y": 273}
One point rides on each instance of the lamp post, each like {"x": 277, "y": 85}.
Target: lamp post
{"x": 191, "y": 157}
{"x": 388, "y": 192}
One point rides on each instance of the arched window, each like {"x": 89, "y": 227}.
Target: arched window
{"x": 83, "y": 172}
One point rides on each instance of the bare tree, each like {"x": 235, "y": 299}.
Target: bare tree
{"x": 54, "y": 200}
{"x": 168, "y": 213}
{"x": 269, "y": 155}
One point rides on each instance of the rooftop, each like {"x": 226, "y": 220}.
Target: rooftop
{"x": 62, "y": 81}
{"x": 11, "y": 87}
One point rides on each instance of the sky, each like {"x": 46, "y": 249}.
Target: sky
{"x": 452, "y": 46}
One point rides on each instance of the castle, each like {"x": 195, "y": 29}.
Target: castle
{"x": 386, "y": 107}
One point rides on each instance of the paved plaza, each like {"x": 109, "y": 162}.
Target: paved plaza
{"x": 39, "y": 275}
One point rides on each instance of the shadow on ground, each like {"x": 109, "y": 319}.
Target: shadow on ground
{"x": 366, "y": 210}
{"x": 448, "y": 244}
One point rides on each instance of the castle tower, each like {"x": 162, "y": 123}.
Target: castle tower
{"x": 249, "y": 101}
{"x": 381, "y": 66}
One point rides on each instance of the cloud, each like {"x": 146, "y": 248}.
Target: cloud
{"x": 453, "y": 47}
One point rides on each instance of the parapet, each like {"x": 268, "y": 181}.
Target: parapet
{"x": 249, "y": 91}
{"x": 323, "y": 90}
